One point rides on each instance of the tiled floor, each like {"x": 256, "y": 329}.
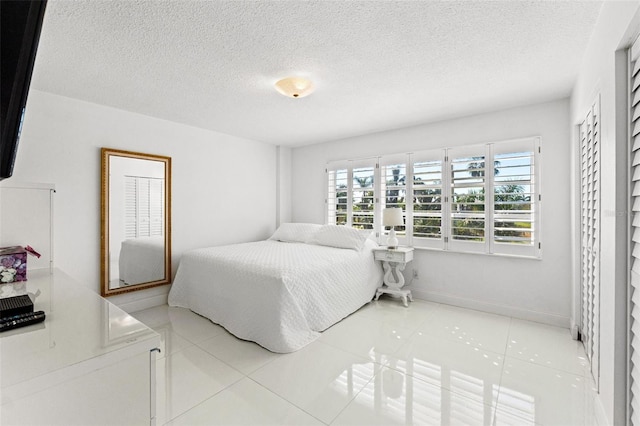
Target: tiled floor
{"x": 383, "y": 365}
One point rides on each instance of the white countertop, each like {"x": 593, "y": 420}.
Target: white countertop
{"x": 82, "y": 332}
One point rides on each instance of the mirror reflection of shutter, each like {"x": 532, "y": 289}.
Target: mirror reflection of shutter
{"x": 130, "y": 207}
{"x": 156, "y": 204}
{"x": 144, "y": 213}
{"x": 633, "y": 350}
{"x": 590, "y": 233}
{"x": 144, "y": 207}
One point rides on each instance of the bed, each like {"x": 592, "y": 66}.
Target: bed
{"x": 141, "y": 260}
{"x": 282, "y": 292}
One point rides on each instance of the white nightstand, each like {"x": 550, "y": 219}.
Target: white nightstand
{"x": 393, "y": 262}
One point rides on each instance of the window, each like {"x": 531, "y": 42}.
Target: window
{"x": 427, "y": 201}
{"x": 481, "y": 198}
{"x": 363, "y": 197}
{"x": 351, "y": 197}
{"x": 338, "y": 194}
{"x": 516, "y": 199}
{"x": 393, "y": 191}
{"x": 467, "y": 212}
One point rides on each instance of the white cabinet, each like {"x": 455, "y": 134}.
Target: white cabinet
{"x": 88, "y": 363}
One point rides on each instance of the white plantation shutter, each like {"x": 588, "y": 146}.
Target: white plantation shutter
{"x": 337, "y": 195}
{"x": 351, "y": 193}
{"x": 429, "y": 202}
{"x": 363, "y": 194}
{"x": 516, "y": 198}
{"x": 634, "y": 234}
{"x": 450, "y": 199}
{"x": 590, "y": 232}
{"x": 468, "y": 208}
{"x": 394, "y": 179}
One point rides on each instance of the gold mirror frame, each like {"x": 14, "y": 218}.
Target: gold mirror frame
{"x": 105, "y": 222}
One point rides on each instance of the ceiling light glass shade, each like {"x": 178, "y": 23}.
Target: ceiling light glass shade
{"x": 295, "y": 87}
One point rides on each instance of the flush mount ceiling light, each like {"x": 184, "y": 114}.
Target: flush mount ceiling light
{"x": 294, "y": 87}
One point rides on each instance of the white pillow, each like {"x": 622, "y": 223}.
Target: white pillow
{"x": 295, "y": 232}
{"x": 340, "y": 237}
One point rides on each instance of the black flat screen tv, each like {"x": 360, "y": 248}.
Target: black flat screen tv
{"x": 21, "y": 23}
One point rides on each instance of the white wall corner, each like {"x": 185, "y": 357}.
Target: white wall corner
{"x": 283, "y": 185}
{"x": 574, "y": 329}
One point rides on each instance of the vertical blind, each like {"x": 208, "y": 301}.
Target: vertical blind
{"x": 634, "y": 244}
{"x": 590, "y": 233}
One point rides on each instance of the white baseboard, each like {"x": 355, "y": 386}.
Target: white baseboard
{"x": 142, "y": 304}
{"x": 450, "y": 299}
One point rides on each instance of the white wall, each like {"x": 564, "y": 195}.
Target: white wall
{"x": 526, "y": 288}
{"x": 283, "y": 214}
{"x": 223, "y": 187}
{"x": 618, "y": 22}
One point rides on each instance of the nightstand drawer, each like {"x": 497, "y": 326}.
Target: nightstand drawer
{"x": 391, "y": 256}
{"x": 401, "y": 256}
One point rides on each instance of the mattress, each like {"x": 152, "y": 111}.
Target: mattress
{"x": 280, "y": 295}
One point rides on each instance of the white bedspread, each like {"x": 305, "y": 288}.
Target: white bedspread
{"x": 280, "y": 295}
{"x": 142, "y": 260}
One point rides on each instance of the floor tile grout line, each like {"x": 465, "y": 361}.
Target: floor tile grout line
{"x": 504, "y": 365}
{"x": 559, "y": 370}
{"x": 216, "y": 393}
{"x": 356, "y": 395}
{"x": 583, "y": 370}
{"x": 285, "y": 399}
{"x": 241, "y": 372}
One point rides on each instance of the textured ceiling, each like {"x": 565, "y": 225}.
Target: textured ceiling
{"x": 376, "y": 65}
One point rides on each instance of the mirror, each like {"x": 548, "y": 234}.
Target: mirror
{"x": 136, "y": 221}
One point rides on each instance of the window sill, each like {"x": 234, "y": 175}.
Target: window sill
{"x": 512, "y": 256}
